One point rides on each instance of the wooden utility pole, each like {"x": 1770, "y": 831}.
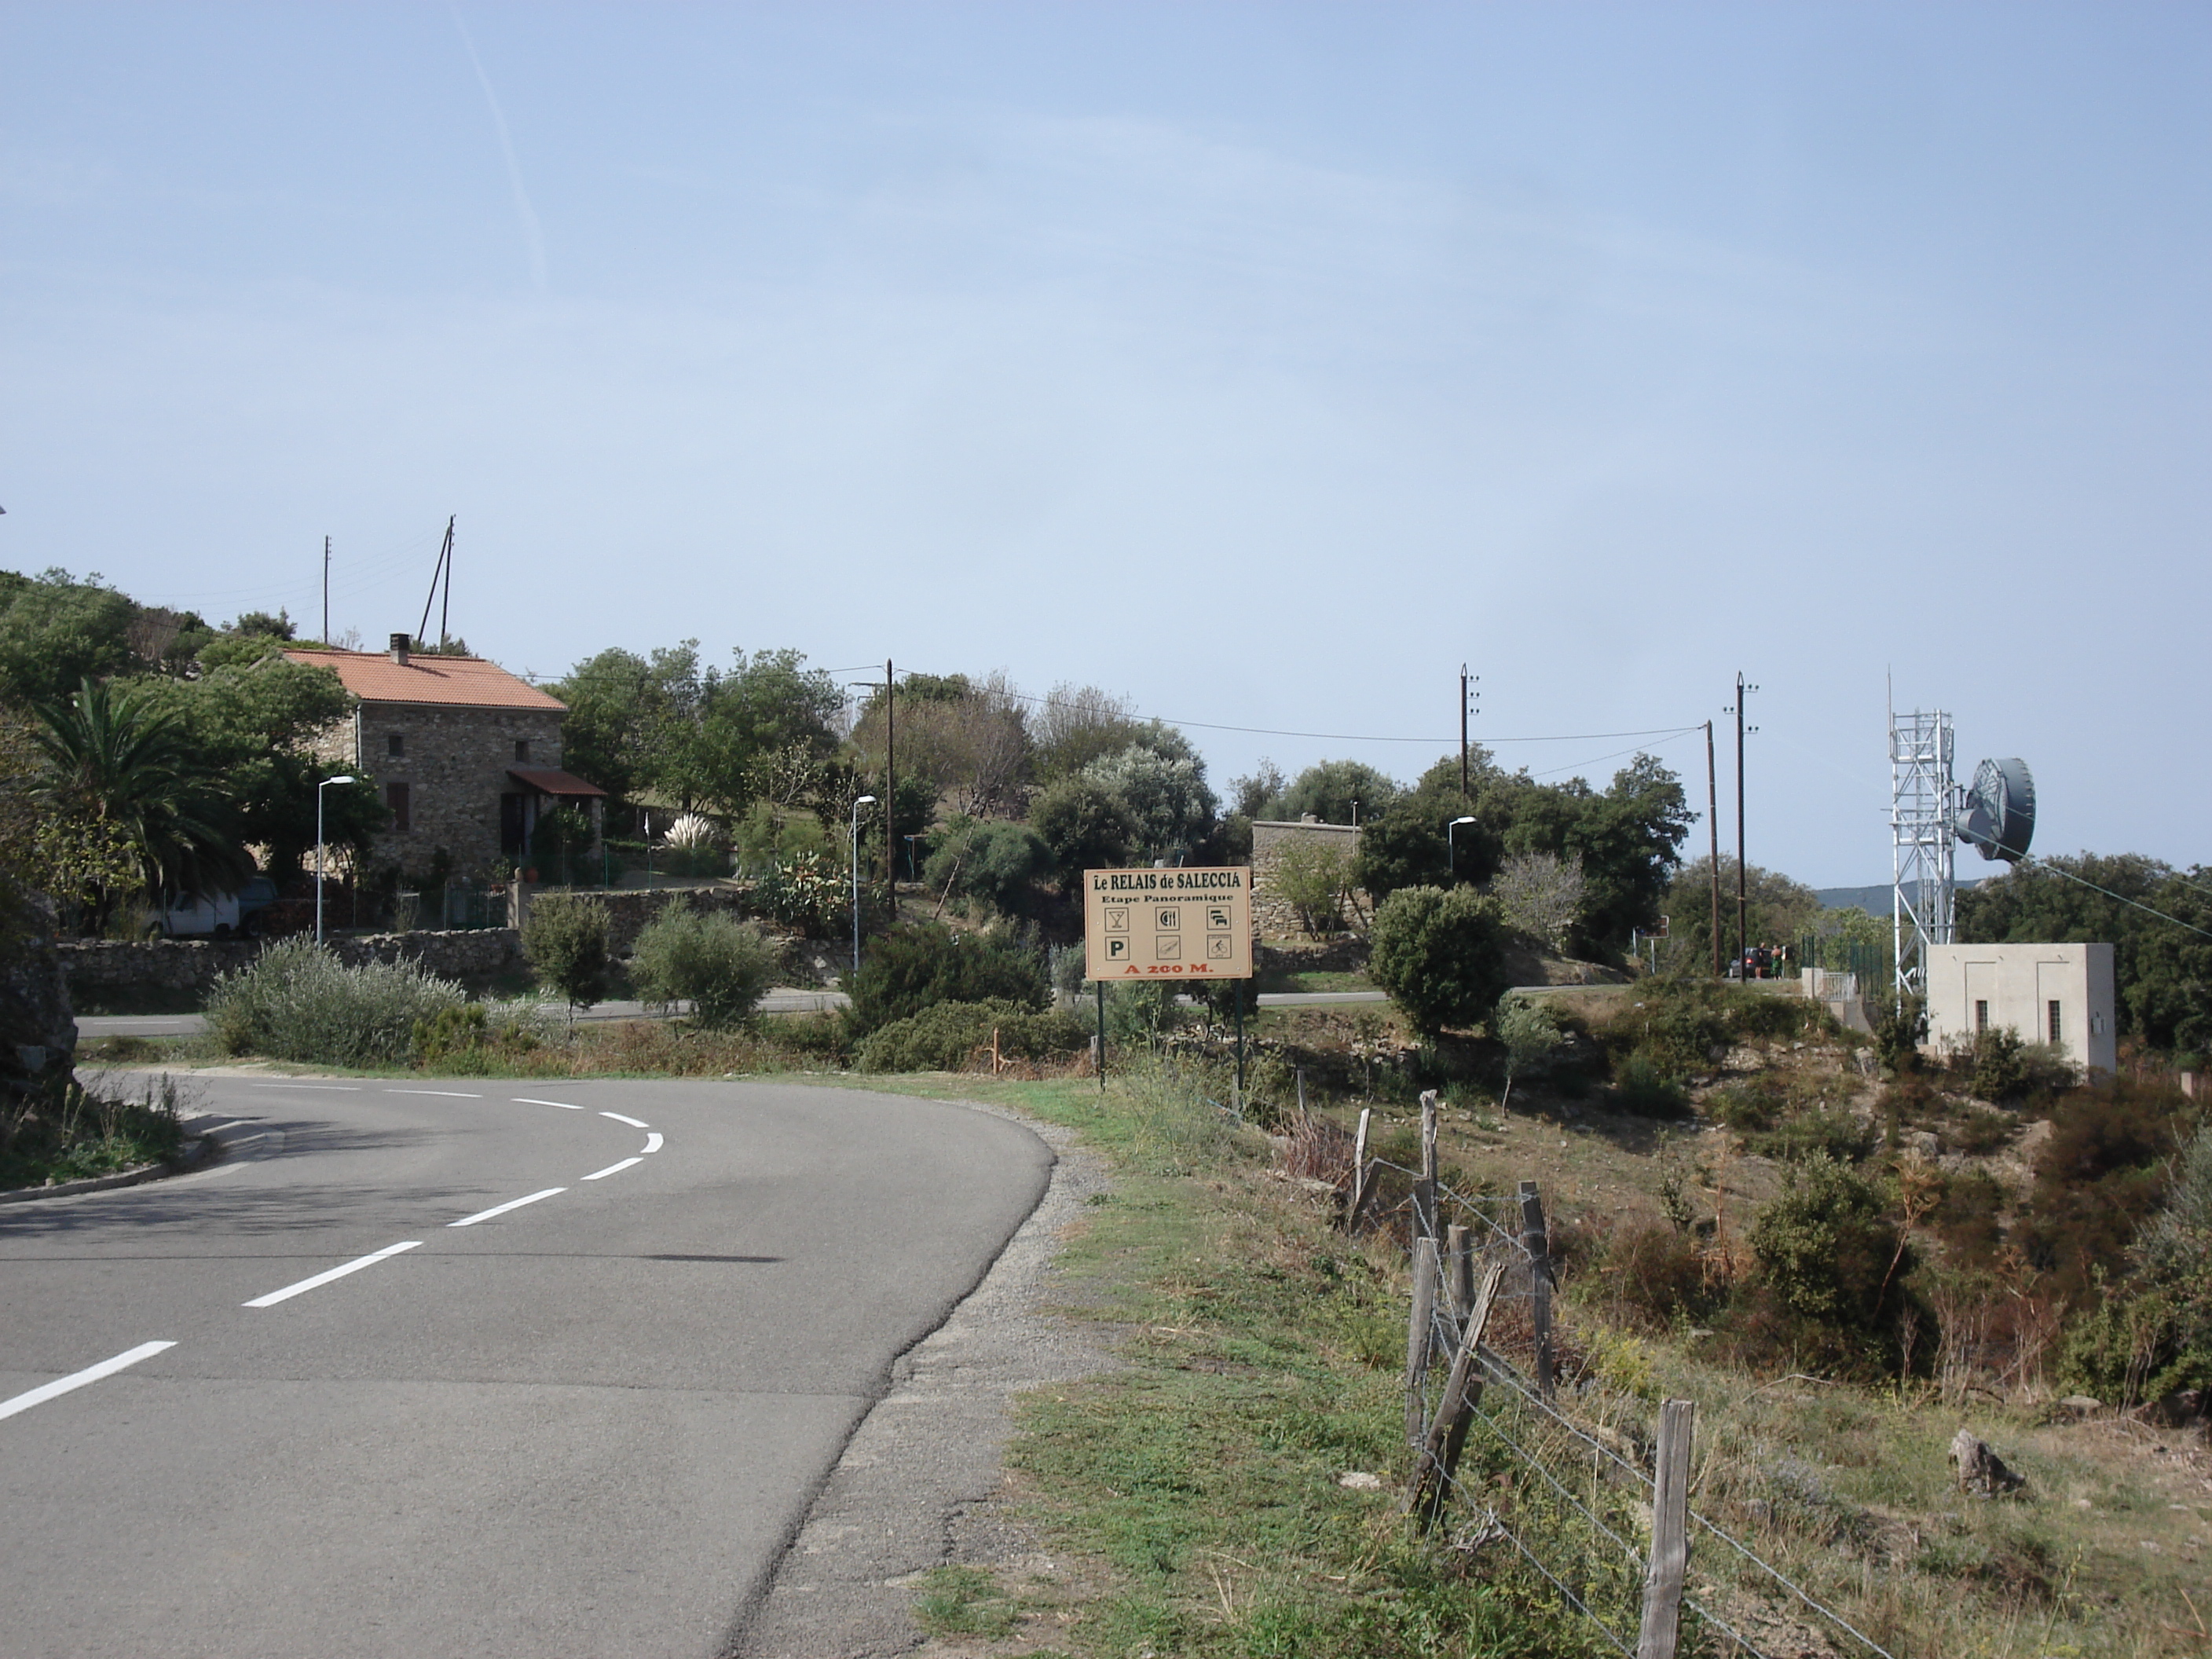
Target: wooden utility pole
{"x": 1467, "y": 683}
{"x": 1713, "y": 826}
{"x": 1742, "y": 868}
{"x": 326, "y": 590}
{"x": 891, "y": 792}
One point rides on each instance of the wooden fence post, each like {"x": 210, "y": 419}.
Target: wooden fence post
{"x": 1436, "y": 1458}
{"x": 1424, "y": 1194}
{"x": 1458, "y": 1270}
{"x": 1538, "y": 1244}
{"x": 1416, "y": 1340}
{"x": 1670, "y": 1532}
{"x": 1359, "y": 1199}
{"x": 1301, "y": 1092}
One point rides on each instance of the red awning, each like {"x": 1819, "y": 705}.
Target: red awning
{"x": 546, "y": 781}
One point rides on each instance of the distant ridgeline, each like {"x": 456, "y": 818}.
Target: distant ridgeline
{"x": 1875, "y": 901}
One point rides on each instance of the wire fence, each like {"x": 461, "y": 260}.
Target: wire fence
{"x": 1564, "y": 1473}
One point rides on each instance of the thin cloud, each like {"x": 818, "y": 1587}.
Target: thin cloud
{"x": 533, "y": 234}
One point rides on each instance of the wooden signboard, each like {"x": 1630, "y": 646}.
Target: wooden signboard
{"x": 1178, "y": 924}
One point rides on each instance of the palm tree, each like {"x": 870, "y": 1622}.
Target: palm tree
{"x": 115, "y": 757}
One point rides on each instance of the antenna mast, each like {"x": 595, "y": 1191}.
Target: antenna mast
{"x": 1923, "y": 903}
{"x": 445, "y": 568}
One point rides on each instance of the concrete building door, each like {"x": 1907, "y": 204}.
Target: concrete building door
{"x": 514, "y": 831}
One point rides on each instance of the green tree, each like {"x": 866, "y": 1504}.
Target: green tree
{"x": 994, "y": 863}
{"x": 1778, "y": 911}
{"x": 116, "y": 759}
{"x": 56, "y": 632}
{"x": 566, "y": 942}
{"x": 1075, "y": 726}
{"x": 1160, "y": 782}
{"x": 1440, "y": 952}
{"x": 1314, "y": 879}
{"x": 1336, "y": 791}
{"x": 917, "y": 965}
{"x": 1085, "y": 827}
{"x": 720, "y": 965}
{"x": 1530, "y": 1033}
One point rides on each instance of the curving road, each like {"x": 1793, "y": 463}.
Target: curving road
{"x": 484, "y": 1369}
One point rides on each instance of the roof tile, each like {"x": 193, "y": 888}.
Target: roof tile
{"x": 458, "y": 682}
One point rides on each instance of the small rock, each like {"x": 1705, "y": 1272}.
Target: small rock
{"x": 1981, "y": 1471}
{"x": 1360, "y": 1481}
{"x": 2081, "y": 1404}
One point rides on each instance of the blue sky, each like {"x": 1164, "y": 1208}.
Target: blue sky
{"x": 1260, "y": 363}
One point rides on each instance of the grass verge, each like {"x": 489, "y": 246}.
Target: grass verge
{"x": 71, "y": 1133}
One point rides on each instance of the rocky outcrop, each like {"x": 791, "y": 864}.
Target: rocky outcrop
{"x": 37, "y": 1030}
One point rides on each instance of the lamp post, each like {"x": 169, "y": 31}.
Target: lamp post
{"x": 864, "y": 800}
{"x": 1451, "y": 853}
{"x": 320, "y": 788}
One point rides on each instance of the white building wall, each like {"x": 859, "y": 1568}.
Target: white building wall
{"x": 2023, "y": 987}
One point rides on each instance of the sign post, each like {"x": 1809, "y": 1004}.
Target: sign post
{"x": 1186, "y": 924}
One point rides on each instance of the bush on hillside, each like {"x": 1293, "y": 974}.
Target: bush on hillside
{"x": 1441, "y": 955}
{"x": 947, "y": 1036}
{"x": 916, "y": 966}
{"x": 722, "y": 966}
{"x": 297, "y": 1001}
{"x": 991, "y": 864}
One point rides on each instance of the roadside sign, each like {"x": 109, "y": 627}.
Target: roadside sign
{"x": 1187, "y": 924}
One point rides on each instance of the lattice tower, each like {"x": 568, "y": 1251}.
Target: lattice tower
{"x": 1921, "y": 811}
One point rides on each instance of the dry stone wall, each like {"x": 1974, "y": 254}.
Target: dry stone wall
{"x": 1273, "y": 916}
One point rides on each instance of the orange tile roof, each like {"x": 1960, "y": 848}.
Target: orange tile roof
{"x": 460, "y": 682}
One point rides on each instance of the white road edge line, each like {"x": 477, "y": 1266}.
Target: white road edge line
{"x": 61, "y": 1385}
{"x": 327, "y": 1088}
{"x": 619, "y": 1118}
{"x": 613, "y": 1169}
{"x": 322, "y": 1279}
{"x": 442, "y": 1094}
{"x": 502, "y": 1209}
{"x": 653, "y": 1143}
{"x": 525, "y": 1100}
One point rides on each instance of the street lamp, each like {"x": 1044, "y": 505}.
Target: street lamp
{"x": 320, "y": 788}
{"x": 1451, "y": 856}
{"x": 864, "y": 800}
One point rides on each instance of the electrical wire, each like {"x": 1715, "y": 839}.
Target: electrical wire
{"x": 2038, "y": 864}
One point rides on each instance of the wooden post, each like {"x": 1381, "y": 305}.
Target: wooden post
{"x": 1436, "y": 1458}
{"x": 1417, "y": 1339}
{"x": 1302, "y": 1090}
{"x": 1424, "y": 1194}
{"x": 1458, "y": 1270}
{"x": 1670, "y": 1532}
{"x": 1538, "y": 1244}
{"x": 1359, "y": 1199}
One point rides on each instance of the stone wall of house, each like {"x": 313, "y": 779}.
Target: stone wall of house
{"x": 1272, "y": 917}
{"x": 454, "y": 762}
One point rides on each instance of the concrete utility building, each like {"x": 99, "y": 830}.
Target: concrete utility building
{"x": 468, "y": 755}
{"x": 2059, "y": 994}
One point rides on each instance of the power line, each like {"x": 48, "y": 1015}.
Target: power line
{"x": 2038, "y": 864}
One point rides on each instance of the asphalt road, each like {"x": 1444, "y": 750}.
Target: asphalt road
{"x": 776, "y": 1002}
{"x": 487, "y": 1369}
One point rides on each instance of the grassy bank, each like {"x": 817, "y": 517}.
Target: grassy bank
{"x": 71, "y": 1133}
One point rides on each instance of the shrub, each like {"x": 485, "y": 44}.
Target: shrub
{"x": 718, "y": 964}
{"x": 1833, "y": 1266}
{"x": 1653, "y": 1278}
{"x": 811, "y": 892}
{"x": 560, "y": 842}
{"x": 944, "y": 1037}
{"x": 1898, "y": 1030}
{"x": 992, "y": 864}
{"x": 484, "y": 1030}
{"x": 1530, "y": 1033}
{"x": 1441, "y": 955}
{"x": 1314, "y": 879}
{"x": 297, "y": 1001}
{"x": 565, "y": 942}
{"x": 1641, "y": 1087}
{"x": 921, "y": 964}
{"x": 1085, "y": 826}
{"x": 1999, "y": 1064}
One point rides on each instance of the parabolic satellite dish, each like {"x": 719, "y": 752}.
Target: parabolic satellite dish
{"x": 1998, "y": 814}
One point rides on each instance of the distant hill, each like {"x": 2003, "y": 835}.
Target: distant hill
{"x": 1875, "y": 901}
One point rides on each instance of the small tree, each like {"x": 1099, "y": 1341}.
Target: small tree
{"x": 1440, "y": 954}
{"x": 565, "y": 942}
{"x": 1531, "y": 1034}
{"x": 718, "y": 964}
{"x": 1541, "y": 895}
{"x": 1316, "y": 880}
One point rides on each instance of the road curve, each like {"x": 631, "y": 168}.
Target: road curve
{"x": 484, "y": 1367}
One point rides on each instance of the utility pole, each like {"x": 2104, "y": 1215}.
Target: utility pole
{"x": 326, "y": 590}
{"x": 1742, "y": 868}
{"x": 890, "y": 786}
{"x": 1713, "y": 826}
{"x": 445, "y": 609}
{"x": 1466, "y": 681}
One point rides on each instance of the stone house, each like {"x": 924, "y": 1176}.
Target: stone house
{"x": 467, "y": 755}
{"x": 1273, "y": 915}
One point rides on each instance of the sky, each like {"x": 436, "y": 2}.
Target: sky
{"x": 1262, "y": 364}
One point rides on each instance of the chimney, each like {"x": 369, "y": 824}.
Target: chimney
{"x": 399, "y": 644}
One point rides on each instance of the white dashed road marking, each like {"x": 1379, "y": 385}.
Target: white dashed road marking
{"x": 61, "y": 1385}
{"x": 321, "y": 1278}
{"x": 502, "y": 1209}
{"x": 619, "y": 1118}
{"x": 613, "y": 1169}
{"x": 442, "y": 1094}
{"x": 525, "y": 1100}
{"x": 653, "y": 1143}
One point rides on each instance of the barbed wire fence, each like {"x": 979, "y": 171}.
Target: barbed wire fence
{"x": 1572, "y": 1497}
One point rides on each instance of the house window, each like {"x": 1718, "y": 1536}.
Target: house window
{"x": 396, "y": 797}
{"x": 1981, "y": 1015}
{"x": 2056, "y": 1037}
{"x": 522, "y": 749}
{"x": 395, "y": 745}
